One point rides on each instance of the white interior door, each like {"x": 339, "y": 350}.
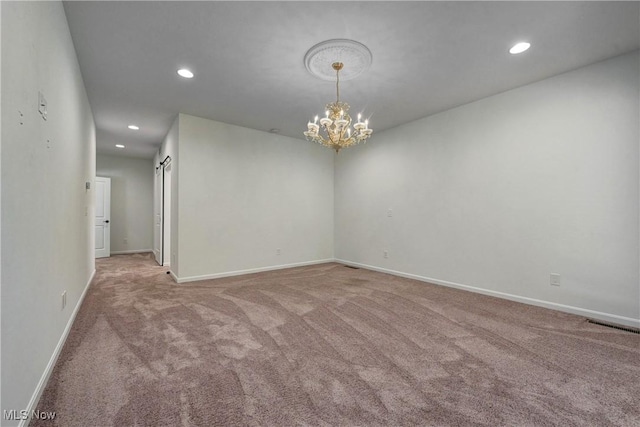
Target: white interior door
{"x": 157, "y": 220}
{"x": 103, "y": 217}
{"x": 166, "y": 219}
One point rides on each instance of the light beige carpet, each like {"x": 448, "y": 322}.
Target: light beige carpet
{"x": 330, "y": 346}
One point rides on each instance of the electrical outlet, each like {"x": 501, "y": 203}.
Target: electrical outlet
{"x": 385, "y": 254}
{"x": 390, "y": 213}
{"x": 125, "y": 241}
{"x": 555, "y": 279}
{"x": 278, "y": 251}
{"x": 64, "y": 300}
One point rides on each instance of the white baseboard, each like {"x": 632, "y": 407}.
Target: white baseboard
{"x": 607, "y": 317}
{"x": 249, "y": 271}
{"x": 131, "y": 251}
{"x": 173, "y": 276}
{"x": 54, "y": 357}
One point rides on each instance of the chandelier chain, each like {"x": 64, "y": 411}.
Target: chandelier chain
{"x": 338, "y": 84}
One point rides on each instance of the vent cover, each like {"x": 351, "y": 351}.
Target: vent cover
{"x": 355, "y": 268}
{"x": 609, "y": 325}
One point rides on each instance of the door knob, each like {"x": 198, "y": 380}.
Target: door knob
{"x": 106, "y": 221}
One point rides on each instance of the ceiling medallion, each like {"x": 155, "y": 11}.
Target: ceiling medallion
{"x": 320, "y": 58}
{"x": 336, "y": 125}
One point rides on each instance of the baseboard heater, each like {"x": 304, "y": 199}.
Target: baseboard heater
{"x": 610, "y": 325}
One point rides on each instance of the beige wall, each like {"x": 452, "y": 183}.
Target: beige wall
{"x": 243, "y": 194}
{"x": 47, "y": 215}
{"x": 500, "y": 193}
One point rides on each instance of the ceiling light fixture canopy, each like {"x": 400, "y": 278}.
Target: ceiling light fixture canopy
{"x": 337, "y": 123}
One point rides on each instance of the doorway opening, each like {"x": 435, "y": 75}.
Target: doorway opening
{"x": 103, "y": 217}
{"x": 162, "y": 213}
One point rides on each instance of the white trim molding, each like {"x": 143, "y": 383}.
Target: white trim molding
{"x": 248, "y": 271}
{"x": 132, "y": 251}
{"x": 607, "y": 317}
{"x": 35, "y": 398}
{"x": 173, "y": 276}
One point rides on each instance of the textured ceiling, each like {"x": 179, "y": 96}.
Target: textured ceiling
{"x": 249, "y": 70}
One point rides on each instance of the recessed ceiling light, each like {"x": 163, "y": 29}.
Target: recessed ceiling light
{"x": 133, "y": 127}
{"x": 519, "y": 48}
{"x": 187, "y": 74}
{"x": 119, "y": 145}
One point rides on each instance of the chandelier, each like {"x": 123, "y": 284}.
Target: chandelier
{"x": 336, "y": 125}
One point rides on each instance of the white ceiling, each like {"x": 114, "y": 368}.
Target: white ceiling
{"x": 248, "y": 58}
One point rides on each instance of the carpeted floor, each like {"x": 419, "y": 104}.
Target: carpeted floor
{"x": 331, "y": 346}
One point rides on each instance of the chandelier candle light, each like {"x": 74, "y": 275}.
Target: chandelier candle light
{"x": 337, "y": 123}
